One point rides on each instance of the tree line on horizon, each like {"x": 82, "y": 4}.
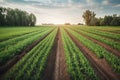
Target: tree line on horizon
{"x": 16, "y": 17}
{"x": 108, "y": 20}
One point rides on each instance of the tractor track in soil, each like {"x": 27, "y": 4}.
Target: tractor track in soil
{"x": 5, "y": 68}
{"x": 56, "y": 66}
{"x": 107, "y": 47}
{"x": 101, "y": 67}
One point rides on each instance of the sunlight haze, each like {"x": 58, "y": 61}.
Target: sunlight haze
{"x": 62, "y": 11}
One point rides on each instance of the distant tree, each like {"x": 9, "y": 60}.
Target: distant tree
{"x": 115, "y": 21}
{"x": 91, "y": 20}
{"x": 67, "y": 24}
{"x": 89, "y": 17}
{"x": 16, "y": 17}
{"x": 107, "y": 20}
{"x": 32, "y": 19}
{"x": 79, "y": 24}
{"x": 2, "y": 16}
{"x": 99, "y": 21}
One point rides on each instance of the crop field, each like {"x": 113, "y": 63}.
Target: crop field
{"x": 61, "y": 52}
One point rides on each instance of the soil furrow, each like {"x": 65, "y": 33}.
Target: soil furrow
{"x": 61, "y": 66}
{"x": 48, "y": 73}
{"x": 102, "y": 68}
{"x": 12, "y": 62}
{"x": 107, "y": 47}
{"x": 56, "y": 66}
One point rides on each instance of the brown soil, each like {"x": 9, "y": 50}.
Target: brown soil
{"x": 107, "y": 47}
{"x": 61, "y": 67}
{"x": 56, "y": 66}
{"x": 101, "y": 67}
{"x": 48, "y": 73}
{"x": 12, "y": 62}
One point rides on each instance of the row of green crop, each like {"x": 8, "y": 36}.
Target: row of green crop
{"x": 32, "y": 65}
{"x": 101, "y": 33}
{"x": 116, "y": 31}
{"x": 113, "y": 60}
{"x": 110, "y": 42}
{"x": 10, "y": 32}
{"x": 78, "y": 66}
{"x": 111, "y": 30}
{"x": 16, "y": 39}
{"x": 13, "y": 47}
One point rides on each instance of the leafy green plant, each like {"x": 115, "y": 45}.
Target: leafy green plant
{"x": 78, "y": 66}
{"x": 110, "y": 42}
{"x": 113, "y": 60}
{"x": 9, "y": 49}
{"x": 32, "y": 65}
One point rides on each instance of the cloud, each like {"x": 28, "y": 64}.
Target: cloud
{"x": 61, "y": 11}
{"x": 117, "y": 6}
{"x": 114, "y": 1}
{"x": 106, "y": 2}
{"x": 56, "y": 3}
{"x": 111, "y": 2}
{"x": 46, "y": 15}
{"x": 1, "y": 0}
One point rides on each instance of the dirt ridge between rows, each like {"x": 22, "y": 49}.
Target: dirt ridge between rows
{"x": 101, "y": 67}
{"x": 56, "y": 66}
{"x": 48, "y": 73}
{"x": 61, "y": 66}
{"x": 12, "y": 62}
{"x": 107, "y": 47}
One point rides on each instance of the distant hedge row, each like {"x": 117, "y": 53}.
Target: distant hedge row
{"x": 91, "y": 20}
{"x": 110, "y": 20}
{"x": 16, "y": 17}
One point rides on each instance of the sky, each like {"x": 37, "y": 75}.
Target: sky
{"x": 64, "y": 11}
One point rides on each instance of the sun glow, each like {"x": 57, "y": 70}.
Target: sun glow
{"x": 52, "y": 20}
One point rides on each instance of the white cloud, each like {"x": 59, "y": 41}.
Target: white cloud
{"x": 31, "y": 0}
{"x": 46, "y": 15}
{"x": 105, "y": 2}
{"x": 70, "y": 2}
{"x": 117, "y": 6}
{"x": 1, "y": 0}
{"x": 51, "y": 11}
{"x": 90, "y": 2}
{"x": 57, "y": 12}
